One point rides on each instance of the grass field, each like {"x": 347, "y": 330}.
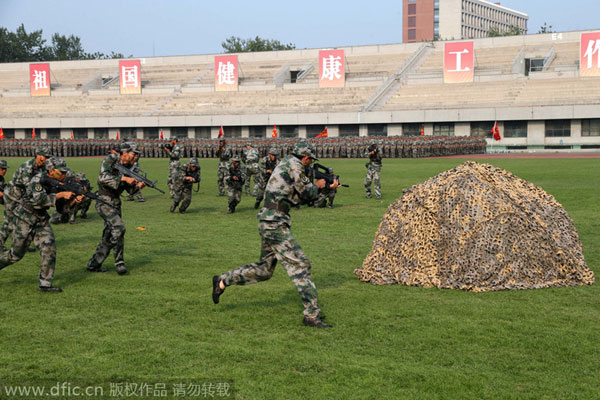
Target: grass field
{"x": 158, "y": 324}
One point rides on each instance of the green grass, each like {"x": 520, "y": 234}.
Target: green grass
{"x": 158, "y": 323}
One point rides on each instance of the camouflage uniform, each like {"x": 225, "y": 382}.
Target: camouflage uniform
{"x": 250, "y": 157}
{"x": 63, "y": 209}
{"x": 31, "y": 223}
{"x": 234, "y": 187}
{"x": 174, "y": 156}
{"x": 266, "y": 164}
{"x": 134, "y": 193}
{"x": 224, "y": 153}
{"x": 278, "y": 242}
{"x": 3, "y": 166}
{"x": 373, "y": 171}
{"x": 326, "y": 195}
{"x": 84, "y": 206}
{"x": 182, "y": 188}
{"x": 113, "y": 235}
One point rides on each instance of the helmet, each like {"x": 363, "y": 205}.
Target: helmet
{"x": 57, "y": 163}
{"x": 273, "y": 151}
{"x": 304, "y": 149}
{"x": 80, "y": 175}
{"x": 3, "y": 164}
{"x": 235, "y": 159}
{"x": 194, "y": 162}
{"x": 43, "y": 151}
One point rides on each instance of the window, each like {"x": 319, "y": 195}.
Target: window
{"x": 150, "y": 133}
{"x": 54, "y": 133}
{"x": 412, "y": 34}
{"x": 515, "y": 129}
{"x": 179, "y": 132}
{"x": 314, "y": 130}
{"x": 232, "y": 131}
{"x": 348, "y": 130}
{"x": 202, "y": 132}
{"x": 288, "y": 131}
{"x": 377, "y": 130}
{"x": 558, "y": 128}
{"x": 443, "y": 129}
{"x": 590, "y": 127}
{"x": 411, "y": 129}
{"x": 258, "y": 131}
{"x": 482, "y": 129}
{"x": 412, "y": 22}
{"x": 80, "y": 133}
{"x": 412, "y": 9}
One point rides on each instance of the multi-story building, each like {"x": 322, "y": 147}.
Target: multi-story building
{"x": 425, "y": 20}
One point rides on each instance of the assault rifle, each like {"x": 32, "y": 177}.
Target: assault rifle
{"x": 72, "y": 186}
{"x": 140, "y": 178}
{"x": 322, "y": 172}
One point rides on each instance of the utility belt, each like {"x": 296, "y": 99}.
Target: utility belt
{"x": 40, "y": 213}
{"x": 282, "y": 207}
{"x": 110, "y": 193}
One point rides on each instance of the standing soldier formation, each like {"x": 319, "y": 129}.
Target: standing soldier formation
{"x": 373, "y": 171}
{"x": 278, "y": 243}
{"x": 184, "y": 179}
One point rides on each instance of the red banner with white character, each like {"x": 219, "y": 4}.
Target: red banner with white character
{"x": 39, "y": 79}
{"x": 331, "y": 68}
{"x": 226, "y": 73}
{"x": 459, "y": 62}
{"x": 131, "y": 76}
{"x": 589, "y": 62}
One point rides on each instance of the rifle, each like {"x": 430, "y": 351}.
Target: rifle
{"x": 132, "y": 174}
{"x": 72, "y": 186}
{"x": 322, "y": 172}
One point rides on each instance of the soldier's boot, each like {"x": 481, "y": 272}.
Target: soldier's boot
{"x": 217, "y": 291}
{"x": 368, "y": 195}
{"x": 231, "y": 207}
{"x": 330, "y": 205}
{"x": 139, "y": 197}
{"x": 174, "y": 206}
{"x": 257, "y": 203}
{"x": 83, "y": 215}
{"x": 130, "y": 197}
{"x": 50, "y": 289}
{"x": 316, "y": 322}
{"x": 121, "y": 270}
{"x": 95, "y": 268}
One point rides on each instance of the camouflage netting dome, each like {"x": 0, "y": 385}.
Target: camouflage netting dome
{"x": 477, "y": 228}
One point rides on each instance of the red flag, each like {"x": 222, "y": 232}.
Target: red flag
{"x": 496, "y": 132}
{"x": 71, "y": 134}
{"x": 422, "y": 130}
{"x": 220, "y": 132}
{"x": 161, "y": 134}
{"x": 322, "y": 134}
{"x": 33, "y": 133}
{"x": 1, "y": 134}
{"x": 274, "y": 131}
{"x": 117, "y": 134}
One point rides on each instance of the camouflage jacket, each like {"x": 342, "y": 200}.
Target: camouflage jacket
{"x": 224, "y": 154}
{"x": 16, "y": 188}
{"x": 181, "y": 173}
{"x": 231, "y": 172}
{"x": 267, "y": 164}
{"x": 36, "y": 201}
{"x": 109, "y": 179}
{"x": 175, "y": 153}
{"x": 288, "y": 182}
{"x": 250, "y": 155}
{"x": 376, "y": 157}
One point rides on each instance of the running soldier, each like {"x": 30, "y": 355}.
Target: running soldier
{"x": 373, "y": 171}
{"x": 234, "y": 178}
{"x": 174, "y": 152}
{"x": 224, "y": 153}
{"x": 278, "y": 242}
{"x": 267, "y": 166}
{"x": 183, "y": 180}
{"x": 250, "y": 157}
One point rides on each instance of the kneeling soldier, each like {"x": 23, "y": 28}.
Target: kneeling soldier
{"x": 183, "y": 180}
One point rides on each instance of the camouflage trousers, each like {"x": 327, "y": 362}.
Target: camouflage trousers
{"x": 84, "y": 206}
{"x": 373, "y": 175}
{"x": 34, "y": 229}
{"x": 234, "y": 195}
{"x": 183, "y": 195}
{"x": 135, "y": 193}
{"x": 262, "y": 185}
{"x": 221, "y": 177}
{"x": 252, "y": 170}
{"x": 278, "y": 244}
{"x": 325, "y": 196}
{"x": 113, "y": 236}
{"x": 172, "y": 169}
{"x": 9, "y": 215}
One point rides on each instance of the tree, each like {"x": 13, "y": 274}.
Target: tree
{"x": 235, "y": 44}
{"x": 545, "y": 29}
{"x": 512, "y": 30}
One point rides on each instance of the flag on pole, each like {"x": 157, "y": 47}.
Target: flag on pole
{"x": 220, "y": 132}
{"x": 274, "y": 135}
{"x": 322, "y": 134}
{"x": 496, "y": 132}
{"x": 117, "y": 134}
{"x": 1, "y": 134}
{"x": 422, "y": 130}
{"x": 33, "y": 133}
{"x": 71, "y": 134}
{"x": 161, "y": 134}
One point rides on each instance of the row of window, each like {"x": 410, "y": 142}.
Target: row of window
{"x": 492, "y": 14}
{"x": 512, "y": 129}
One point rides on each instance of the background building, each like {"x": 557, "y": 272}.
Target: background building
{"x": 426, "y": 20}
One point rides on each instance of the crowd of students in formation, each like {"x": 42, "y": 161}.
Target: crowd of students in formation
{"x": 331, "y": 147}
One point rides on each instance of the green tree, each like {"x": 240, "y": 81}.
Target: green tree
{"x": 512, "y": 30}
{"x": 235, "y": 44}
{"x": 546, "y": 29}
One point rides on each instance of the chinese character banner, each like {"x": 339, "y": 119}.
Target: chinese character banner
{"x": 331, "y": 68}
{"x": 459, "y": 62}
{"x": 589, "y": 62}
{"x": 131, "y": 76}
{"x": 226, "y": 73}
{"x": 39, "y": 79}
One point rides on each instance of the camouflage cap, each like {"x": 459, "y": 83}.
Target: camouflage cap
{"x": 235, "y": 159}
{"x": 248, "y": 144}
{"x": 194, "y": 162}
{"x": 305, "y": 149}
{"x": 57, "y": 163}
{"x": 125, "y": 147}
{"x": 43, "y": 151}
{"x": 80, "y": 175}
{"x": 3, "y": 164}
{"x": 134, "y": 148}
{"x": 273, "y": 150}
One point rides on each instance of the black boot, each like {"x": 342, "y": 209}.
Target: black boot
{"x": 257, "y": 204}
{"x": 217, "y": 291}
{"x": 316, "y": 322}
{"x": 49, "y": 289}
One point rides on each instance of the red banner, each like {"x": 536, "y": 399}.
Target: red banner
{"x": 589, "y": 62}
{"x": 331, "y": 68}
{"x": 458, "y": 62}
{"x": 131, "y": 76}
{"x": 226, "y": 73}
{"x": 39, "y": 79}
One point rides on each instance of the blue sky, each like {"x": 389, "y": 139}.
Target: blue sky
{"x": 143, "y": 28}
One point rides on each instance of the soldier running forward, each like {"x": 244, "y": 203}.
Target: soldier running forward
{"x": 184, "y": 179}
{"x": 250, "y": 157}
{"x": 373, "y": 171}
{"x": 267, "y": 166}
{"x": 111, "y": 184}
{"x": 234, "y": 179}
{"x": 174, "y": 152}
{"x": 278, "y": 243}
{"x": 15, "y": 189}
{"x": 32, "y": 223}
{"x": 224, "y": 153}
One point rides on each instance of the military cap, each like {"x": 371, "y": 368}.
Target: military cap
{"x": 125, "y": 147}
{"x": 57, "y": 163}
{"x": 248, "y": 144}
{"x": 194, "y": 162}
{"x": 80, "y": 175}
{"x": 133, "y": 147}
{"x": 43, "y": 151}
{"x": 3, "y": 164}
{"x": 235, "y": 159}
{"x": 273, "y": 150}
{"x": 305, "y": 149}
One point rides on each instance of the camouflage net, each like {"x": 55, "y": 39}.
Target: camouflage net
{"x": 477, "y": 228}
